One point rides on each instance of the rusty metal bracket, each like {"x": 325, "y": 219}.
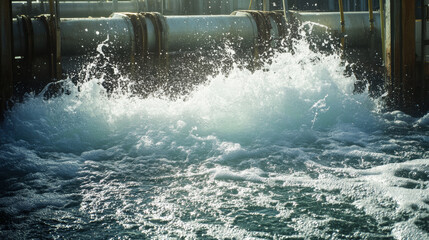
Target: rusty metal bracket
{"x": 263, "y": 24}
{"x": 279, "y": 19}
{"x": 53, "y": 42}
{"x": 53, "y": 26}
{"x": 158, "y": 22}
{"x": 140, "y": 34}
{"x": 140, "y": 40}
{"x": 143, "y": 26}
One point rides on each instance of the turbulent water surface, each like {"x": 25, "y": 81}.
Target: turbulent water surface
{"x": 288, "y": 152}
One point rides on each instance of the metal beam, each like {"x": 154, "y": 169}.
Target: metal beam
{"x": 6, "y": 76}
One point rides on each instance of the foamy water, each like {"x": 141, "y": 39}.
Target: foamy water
{"x": 285, "y": 152}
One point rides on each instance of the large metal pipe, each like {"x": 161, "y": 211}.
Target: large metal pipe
{"x": 183, "y": 33}
{"x": 81, "y": 36}
{"x": 77, "y": 9}
{"x": 356, "y": 24}
{"x": 201, "y": 32}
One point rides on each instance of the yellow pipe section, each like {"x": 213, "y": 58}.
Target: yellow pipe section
{"x": 343, "y": 24}
{"x": 250, "y": 5}
{"x": 371, "y": 16}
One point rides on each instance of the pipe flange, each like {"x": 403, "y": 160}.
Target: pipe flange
{"x": 158, "y": 22}
{"x": 263, "y": 20}
{"x": 140, "y": 34}
{"x": 53, "y": 46}
{"x": 29, "y": 46}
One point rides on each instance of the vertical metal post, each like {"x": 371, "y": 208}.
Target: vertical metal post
{"x": 423, "y": 74}
{"x": 409, "y": 52}
{"x": 51, "y": 8}
{"x": 371, "y": 16}
{"x": 423, "y": 37}
{"x": 266, "y": 5}
{"x": 371, "y": 27}
{"x": 400, "y": 55}
{"x": 58, "y": 67}
{"x": 388, "y": 53}
{"x": 6, "y": 75}
{"x": 285, "y": 9}
{"x": 343, "y": 24}
{"x": 383, "y": 25}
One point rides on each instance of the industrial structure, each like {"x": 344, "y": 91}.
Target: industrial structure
{"x": 42, "y": 40}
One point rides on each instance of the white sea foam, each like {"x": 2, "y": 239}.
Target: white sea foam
{"x": 284, "y": 151}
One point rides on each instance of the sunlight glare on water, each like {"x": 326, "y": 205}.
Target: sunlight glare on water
{"x": 284, "y": 152}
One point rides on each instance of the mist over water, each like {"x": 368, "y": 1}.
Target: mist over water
{"x": 284, "y": 152}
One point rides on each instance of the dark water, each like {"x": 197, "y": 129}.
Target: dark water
{"x": 288, "y": 153}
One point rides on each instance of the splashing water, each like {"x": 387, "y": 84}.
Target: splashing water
{"x": 284, "y": 153}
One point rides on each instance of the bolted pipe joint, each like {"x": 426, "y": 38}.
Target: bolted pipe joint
{"x": 271, "y": 29}
{"x": 141, "y": 34}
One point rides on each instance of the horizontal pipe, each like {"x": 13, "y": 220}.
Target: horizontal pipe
{"x": 39, "y": 34}
{"x": 81, "y": 36}
{"x": 195, "y": 32}
{"x": 77, "y": 9}
{"x": 357, "y": 25}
